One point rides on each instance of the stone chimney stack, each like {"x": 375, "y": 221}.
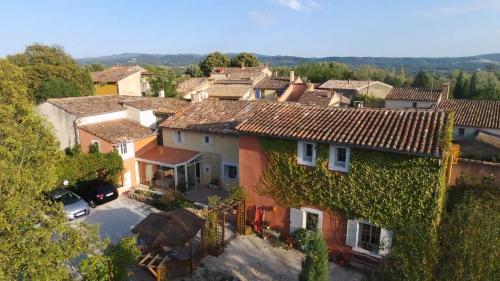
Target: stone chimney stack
{"x": 445, "y": 91}
{"x": 292, "y": 76}
{"x": 161, "y": 94}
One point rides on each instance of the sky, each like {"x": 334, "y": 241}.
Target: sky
{"x": 309, "y": 28}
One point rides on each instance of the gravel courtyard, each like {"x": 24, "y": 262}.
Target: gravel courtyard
{"x": 251, "y": 258}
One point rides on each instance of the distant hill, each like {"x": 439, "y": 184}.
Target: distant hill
{"x": 411, "y": 65}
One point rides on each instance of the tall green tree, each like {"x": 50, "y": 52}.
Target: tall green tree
{"x": 57, "y": 88}
{"x": 194, "y": 71}
{"x": 95, "y": 67}
{"x": 41, "y": 63}
{"x": 214, "y": 59}
{"x": 422, "y": 80}
{"x": 244, "y": 59}
{"x": 458, "y": 90}
{"x": 315, "y": 264}
{"x": 473, "y": 87}
{"x": 35, "y": 241}
{"x": 163, "y": 78}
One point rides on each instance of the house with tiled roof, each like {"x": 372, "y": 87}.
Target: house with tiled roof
{"x": 253, "y": 74}
{"x": 289, "y": 149}
{"x": 192, "y": 86}
{"x": 205, "y": 129}
{"x": 271, "y": 88}
{"x": 323, "y": 98}
{"x": 355, "y": 88}
{"x": 229, "y": 90}
{"x": 402, "y": 98}
{"x": 66, "y": 114}
{"x": 123, "y": 80}
{"x": 472, "y": 117}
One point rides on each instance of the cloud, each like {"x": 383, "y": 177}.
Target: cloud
{"x": 262, "y": 18}
{"x": 297, "y": 5}
{"x": 469, "y": 7}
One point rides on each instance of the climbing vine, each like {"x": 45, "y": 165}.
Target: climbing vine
{"x": 404, "y": 193}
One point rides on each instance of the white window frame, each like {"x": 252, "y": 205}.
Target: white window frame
{"x": 298, "y": 218}
{"x": 226, "y": 177}
{"x": 333, "y": 158}
{"x": 98, "y": 144}
{"x": 121, "y": 147}
{"x": 301, "y": 151}
{"x": 210, "y": 139}
{"x": 258, "y": 93}
{"x": 353, "y": 238}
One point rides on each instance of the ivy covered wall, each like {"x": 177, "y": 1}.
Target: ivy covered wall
{"x": 403, "y": 193}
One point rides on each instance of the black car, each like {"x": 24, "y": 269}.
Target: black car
{"x": 96, "y": 192}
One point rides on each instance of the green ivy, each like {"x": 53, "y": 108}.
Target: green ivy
{"x": 403, "y": 193}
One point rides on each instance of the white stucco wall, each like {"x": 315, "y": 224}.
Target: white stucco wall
{"x": 130, "y": 85}
{"x": 470, "y": 132}
{"x": 401, "y": 104}
{"x": 62, "y": 122}
{"x": 102, "y": 117}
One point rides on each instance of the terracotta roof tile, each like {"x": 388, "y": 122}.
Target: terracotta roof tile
{"x": 474, "y": 113}
{"x": 191, "y": 85}
{"x": 239, "y": 72}
{"x": 115, "y": 73}
{"x": 166, "y": 105}
{"x": 212, "y": 116}
{"x": 345, "y": 84}
{"x": 117, "y": 131}
{"x": 403, "y": 131}
{"x": 230, "y": 91}
{"x": 273, "y": 83}
{"x": 414, "y": 94}
{"x": 317, "y": 97}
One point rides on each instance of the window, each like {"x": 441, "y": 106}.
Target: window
{"x": 339, "y": 158}
{"x": 94, "y": 146}
{"x": 207, "y": 169}
{"x": 257, "y": 94}
{"x": 177, "y": 136}
{"x": 414, "y": 105}
{"x": 207, "y": 139}
{"x": 312, "y": 221}
{"x": 230, "y": 171}
{"x": 306, "y": 153}
{"x": 461, "y": 132}
{"x": 122, "y": 148}
{"x": 369, "y": 237}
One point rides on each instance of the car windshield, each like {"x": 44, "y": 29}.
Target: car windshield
{"x": 67, "y": 198}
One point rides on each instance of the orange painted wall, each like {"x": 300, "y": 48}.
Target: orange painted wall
{"x": 86, "y": 139}
{"x": 252, "y": 164}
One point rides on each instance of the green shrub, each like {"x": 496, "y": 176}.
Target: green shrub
{"x": 303, "y": 238}
{"x": 96, "y": 268}
{"x": 315, "y": 264}
{"x": 122, "y": 255}
{"x": 77, "y": 166}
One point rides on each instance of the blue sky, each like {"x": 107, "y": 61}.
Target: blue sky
{"x": 274, "y": 27}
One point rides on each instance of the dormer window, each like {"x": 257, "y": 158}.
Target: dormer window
{"x": 306, "y": 153}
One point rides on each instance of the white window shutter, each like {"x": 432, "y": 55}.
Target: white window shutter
{"x": 385, "y": 242}
{"x": 314, "y": 153}
{"x": 297, "y": 220}
{"x": 300, "y": 151}
{"x": 352, "y": 233}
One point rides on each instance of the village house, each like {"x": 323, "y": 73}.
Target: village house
{"x": 271, "y": 88}
{"x": 254, "y": 74}
{"x": 192, "y": 86}
{"x": 323, "y": 98}
{"x": 121, "y": 80}
{"x": 66, "y": 114}
{"x": 355, "y": 88}
{"x": 404, "y": 98}
{"x": 346, "y": 134}
{"x": 207, "y": 129}
{"x": 472, "y": 117}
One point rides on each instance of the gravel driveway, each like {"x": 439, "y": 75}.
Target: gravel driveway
{"x": 118, "y": 217}
{"x": 251, "y": 258}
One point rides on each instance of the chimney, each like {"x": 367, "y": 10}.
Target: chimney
{"x": 292, "y": 76}
{"x": 196, "y": 97}
{"x": 161, "y": 94}
{"x": 445, "y": 92}
{"x": 276, "y": 73}
{"x": 348, "y": 81}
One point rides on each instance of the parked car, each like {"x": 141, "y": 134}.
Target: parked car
{"x": 96, "y": 192}
{"x": 74, "y": 206}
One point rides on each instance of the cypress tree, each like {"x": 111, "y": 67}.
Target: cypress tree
{"x": 458, "y": 91}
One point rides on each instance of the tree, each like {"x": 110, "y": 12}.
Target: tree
{"x": 122, "y": 255}
{"x": 194, "y": 71}
{"x": 473, "y": 87}
{"x": 244, "y": 59}
{"x": 458, "y": 91}
{"x": 469, "y": 233}
{"x": 57, "y": 88}
{"x": 95, "y": 67}
{"x": 214, "y": 59}
{"x": 42, "y": 63}
{"x": 315, "y": 264}
{"x": 422, "y": 80}
{"x": 163, "y": 78}
{"x": 35, "y": 241}
{"x": 96, "y": 268}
